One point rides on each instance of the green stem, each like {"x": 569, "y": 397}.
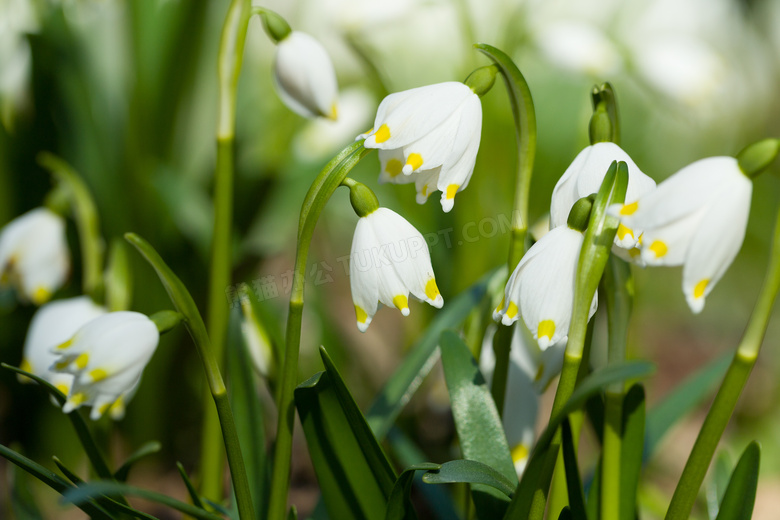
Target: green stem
{"x": 330, "y": 178}
{"x": 231, "y": 50}
{"x": 502, "y": 344}
{"x": 185, "y": 305}
{"x": 728, "y": 394}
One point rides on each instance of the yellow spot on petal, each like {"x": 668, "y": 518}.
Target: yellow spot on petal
{"x": 62, "y": 387}
{"x": 383, "y": 134}
{"x": 361, "y": 314}
{"x": 622, "y": 231}
{"x": 61, "y": 365}
{"x": 511, "y": 312}
{"x": 698, "y": 291}
{"x": 546, "y": 328}
{"x": 78, "y": 398}
{"x": 401, "y": 302}
{"x": 334, "y": 112}
{"x": 394, "y": 167}
{"x": 501, "y": 305}
{"x": 82, "y": 360}
{"x": 629, "y": 209}
{"x": 98, "y": 374}
{"x": 118, "y": 408}
{"x": 452, "y": 189}
{"x": 519, "y": 453}
{"x": 414, "y": 160}
{"x": 425, "y": 191}
{"x": 659, "y": 248}
{"x": 41, "y": 295}
{"x": 431, "y": 290}
{"x": 26, "y": 366}
{"x": 634, "y": 252}
{"x": 104, "y": 407}
{"x": 64, "y": 345}
{"x": 539, "y": 373}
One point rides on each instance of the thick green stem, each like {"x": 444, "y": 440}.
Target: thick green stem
{"x": 231, "y": 52}
{"x": 728, "y": 394}
{"x": 319, "y": 193}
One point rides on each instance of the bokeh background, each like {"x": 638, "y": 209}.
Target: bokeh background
{"x": 125, "y": 90}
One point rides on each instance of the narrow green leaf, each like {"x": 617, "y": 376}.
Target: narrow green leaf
{"x": 684, "y": 398}
{"x": 398, "y": 505}
{"x": 740, "y": 494}
{"x": 632, "y": 449}
{"x": 535, "y": 481}
{"x": 100, "y": 488}
{"x": 248, "y": 413}
{"x": 593, "y": 505}
{"x": 573, "y": 481}
{"x": 146, "y": 449}
{"x": 82, "y": 430}
{"x": 715, "y": 488}
{"x": 418, "y": 362}
{"x": 190, "y": 488}
{"x": 566, "y": 514}
{"x": 293, "y": 513}
{"x": 470, "y": 472}
{"x": 75, "y": 479}
{"x": 23, "y": 504}
{"x": 355, "y": 476}
{"x": 118, "y": 278}
{"x": 477, "y": 422}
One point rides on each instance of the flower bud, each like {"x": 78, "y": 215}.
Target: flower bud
{"x": 757, "y": 157}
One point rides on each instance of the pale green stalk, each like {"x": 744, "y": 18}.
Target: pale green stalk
{"x": 231, "y": 50}
{"x": 728, "y": 394}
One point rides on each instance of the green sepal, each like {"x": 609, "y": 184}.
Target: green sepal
{"x": 755, "y": 158}
{"x": 275, "y": 26}
{"x": 362, "y": 198}
{"x": 580, "y": 214}
{"x": 482, "y": 79}
{"x": 604, "y": 123}
{"x": 166, "y": 320}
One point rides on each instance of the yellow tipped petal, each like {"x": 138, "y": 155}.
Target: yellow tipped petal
{"x": 26, "y": 366}
{"x": 98, "y": 374}
{"x": 41, "y": 295}
{"x": 622, "y": 231}
{"x": 401, "y": 303}
{"x": 414, "y": 160}
{"x": 82, "y": 360}
{"x": 394, "y": 167}
{"x": 546, "y": 329}
{"x": 698, "y": 290}
{"x": 431, "y": 290}
{"x": 629, "y": 209}
{"x": 519, "y": 453}
{"x": 77, "y": 398}
{"x": 659, "y": 247}
{"x": 334, "y": 112}
{"x": 511, "y": 312}
{"x": 62, "y": 387}
{"x": 361, "y": 314}
{"x": 64, "y": 345}
{"x": 452, "y": 189}
{"x": 383, "y": 134}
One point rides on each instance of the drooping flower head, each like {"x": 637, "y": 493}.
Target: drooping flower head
{"x": 584, "y": 176}
{"x": 304, "y": 76}
{"x": 51, "y": 325}
{"x": 106, "y": 357}
{"x": 430, "y": 136}
{"x": 696, "y": 218}
{"x": 389, "y": 261}
{"x": 34, "y": 254}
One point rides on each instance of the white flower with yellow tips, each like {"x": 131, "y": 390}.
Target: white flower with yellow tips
{"x": 106, "y": 357}
{"x": 430, "y": 136}
{"x": 541, "y": 288}
{"x": 304, "y": 76}
{"x": 583, "y": 177}
{"x": 696, "y": 218}
{"x": 34, "y": 255}
{"x": 389, "y": 261}
{"x": 51, "y": 325}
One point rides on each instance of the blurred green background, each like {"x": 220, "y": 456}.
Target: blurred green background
{"x": 126, "y": 92}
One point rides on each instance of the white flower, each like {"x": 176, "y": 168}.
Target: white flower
{"x": 432, "y": 132}
{"x": 304, "y": 76}
{"x": 34, "y": 254}
{"x": 584, "y": 176}
{"x": 106, "y": 357}
{"x": 541, "y": 288}
{"x": 695, "y": 218}
{"x": 389, "y": 260}
{"x": 530, "y": 371}
{"x": 51, "y": 325}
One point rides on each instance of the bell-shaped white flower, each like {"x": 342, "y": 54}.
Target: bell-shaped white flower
{"x": 51, "y": 325}
{"x": 430, "y": 136}
{"x": 389, "y": 261}
{"x": 530, "y": 371}
{"x": 541, "y": 288}
{"x": 696, "y": 218}
{"x": 304, "y": 76}
{"x": 106, "y": 357}
{"x": 34, "y": 254}
{"x": 584, "y": 176}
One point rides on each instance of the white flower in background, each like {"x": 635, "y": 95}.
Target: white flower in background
{"x": 304, "y": 76}
{"x": 584, "y": 176}
{"x": 579, "y": 46}
{"x": 389, "y": 261}
{"x": 530, "y": 371}
{"x": 428, "y": 135}
{"x": 51, "y": 325}
{"x": 17, "y": 19}
{"x": 696, "y": 218}
{"x": 34, "y": 254}
{"x": 257, "y": 340}
{"x": 541, "y": 288}
{"x": 106, "y": 357}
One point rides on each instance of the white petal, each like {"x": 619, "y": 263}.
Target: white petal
{"x": 391, "y": 167}
{"x": 717, "y": 240}
{"x": 455, "y": 175}
{"x": 363, "y": 279}
{"x": 434, "y": 148}
{"x": 668, "y": 245}
{"x": 304, "y": 76}
{"x": 512, "y": 289}
{"x": 425, "y": 182}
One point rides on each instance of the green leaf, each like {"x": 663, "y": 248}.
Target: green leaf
{"x": 92, "y": 490}
{"x": 740, "y": 494}
{"x": 355, "y": 476}
{"x": 566, "y": 514}
{"x": 632, "y": 449}
{"x": 683, "y": 399}
{"x": 118, "y": 278}
{"x": 593, "y": 505}
{"x": 470, "y": 472}
{"x": 146, "y": 449}
{"x": 716, "y": 486}
{"x": 408, "y": 377}
{"x": 190, "y": 488}
{"x": 398, "y": 505}
{"x": 23, "y": 504}
{"x": 82, "y": 430}
{"x": 248, "y": 412}
{"x": 477, "y": 422}
{"x": 535, "y": 481}
{"x": 573, "y": 481}
{"x": 292, "y": 514}
{"x": 75, "y": 479}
